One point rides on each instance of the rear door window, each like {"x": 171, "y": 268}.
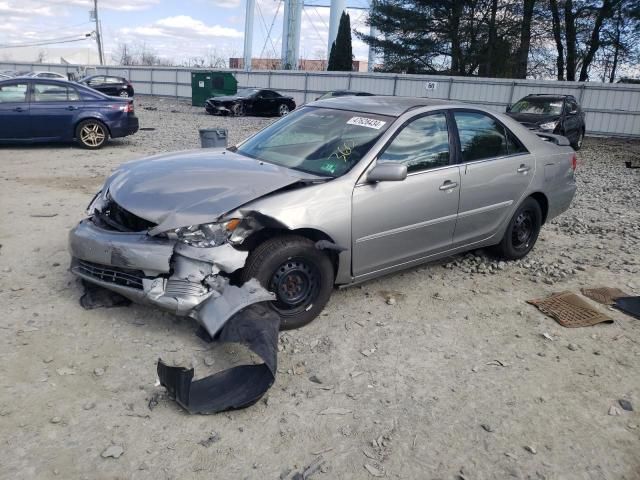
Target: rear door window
{"x": 43, "y": 92}
{"x": 481, "y": 136}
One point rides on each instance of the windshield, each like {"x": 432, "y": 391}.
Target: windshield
{"x": 245, "y": 92}
{"x": 538, "y": 106}
{"x": 321, "y": 141}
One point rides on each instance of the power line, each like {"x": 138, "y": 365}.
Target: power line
{"x": 46, "y": 42}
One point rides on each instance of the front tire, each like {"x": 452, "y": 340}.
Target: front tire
{"x": 298, "y": 273}
{"x": 522, "y": 231}
{"x": 283, "y": 110}
{"x": 92, "y": 134}
{"x": 238, "y": 110}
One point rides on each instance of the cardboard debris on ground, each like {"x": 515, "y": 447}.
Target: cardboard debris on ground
{"x": 569, "y": 310}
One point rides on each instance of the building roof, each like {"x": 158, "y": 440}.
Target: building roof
{"x": 382, "y": 105}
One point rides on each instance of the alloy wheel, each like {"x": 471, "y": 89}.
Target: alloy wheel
{"x": 283, "y": 110}
{"x": 92, "y": 134}
{"x": 124, "y": 94}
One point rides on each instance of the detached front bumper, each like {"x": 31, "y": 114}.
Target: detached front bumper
{"x": 216, "y": 109}
{"x": 165, "y": 273}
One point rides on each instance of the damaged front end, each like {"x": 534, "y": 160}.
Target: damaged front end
{"x": 185, "y": 271}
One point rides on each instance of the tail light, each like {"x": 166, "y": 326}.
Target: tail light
{"x": 127, "y": 108}
{"x": 574, "y": 162}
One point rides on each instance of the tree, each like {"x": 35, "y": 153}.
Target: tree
{"x": 341, "y": 56}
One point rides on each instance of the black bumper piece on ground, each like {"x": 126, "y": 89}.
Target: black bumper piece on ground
{"x": 238, "y": 387}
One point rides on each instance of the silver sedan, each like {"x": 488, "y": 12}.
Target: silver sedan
{"x": 338, "y": 192}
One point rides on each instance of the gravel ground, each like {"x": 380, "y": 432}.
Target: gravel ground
{"x": 440, "y": 372}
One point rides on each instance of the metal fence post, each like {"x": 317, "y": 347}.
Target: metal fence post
{"x": 306, "y": 86}
{"x": 176, "y": 83}
{"x": 395, "y": 84}
{"x": 269, "y": 80}
{"x": 449, "y": 88}
{"x": 349, "y": 82}
{"x": 513, "y": 88}
{"x": 151, "y": 71}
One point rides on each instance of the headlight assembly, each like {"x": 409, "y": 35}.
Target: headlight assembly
{"x": 548, "y": 125}
{"x": 208, "y": 234}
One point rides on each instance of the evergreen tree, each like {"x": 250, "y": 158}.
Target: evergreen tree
{"x": 341, "y": 55}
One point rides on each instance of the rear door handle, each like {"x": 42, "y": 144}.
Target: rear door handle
{"x": 18, "y": 109}
{"x": 71, "y": 107}
{"x": 448, "y": 185}
{"x": 524, "y": 169}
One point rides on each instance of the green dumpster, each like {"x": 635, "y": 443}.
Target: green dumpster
{"x": 205, "y": 85}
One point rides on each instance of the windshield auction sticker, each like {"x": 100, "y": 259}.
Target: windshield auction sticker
{"x": 366, "y": 122}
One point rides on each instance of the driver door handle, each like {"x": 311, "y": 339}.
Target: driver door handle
{"x": 448, "y": 185}
{"x": 72, "y": 107}
{"x": 19, "y": 109}
{"x": 524, "y": 169}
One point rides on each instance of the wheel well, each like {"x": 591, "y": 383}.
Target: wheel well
{"x": 543, "y": 202}
{"x": 75, "y": 127}
{"x": 261, "y": 236}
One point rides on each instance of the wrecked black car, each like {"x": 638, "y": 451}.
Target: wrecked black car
{"x": 251, "y": 101}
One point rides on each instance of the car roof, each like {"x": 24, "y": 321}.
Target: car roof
{"x": 382, "y": 105}
{"x": 549, "y": 96}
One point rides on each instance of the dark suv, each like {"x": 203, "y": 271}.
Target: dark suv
{"x": 559, "y": 114}
{"x": 109, "y": 85}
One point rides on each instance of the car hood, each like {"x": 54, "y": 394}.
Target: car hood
{"x": 533, "y": 118}
{"x": 193, "y": 187}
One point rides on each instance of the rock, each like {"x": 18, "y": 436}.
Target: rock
{"x": 65, "y": 371}
{"x": 391, "y": 301}
{"x": 210, "y": 440}
{"x": 47, "y": 359}
{"x": 573, "y": 347}
{"x": 626, "y": 405}
{"x": 614, "y": 411}
{"x": 55, "y": 420}
{"x": 89, "y": 406}
{"x": 376, "y": 472}
{"x": 334, "y": 411}
{"x": 315, "y": 379}
{"x": 367, "y": 352}
{"x": 487, "y": 427}
{"x": 98, "y": 372}
{"x": 143, "y": 466}
{"x": 531, "y": 449}
{"x": 114, "y": 451}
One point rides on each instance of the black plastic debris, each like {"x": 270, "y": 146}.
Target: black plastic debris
{"x": 257, "y": 327}
{"x": 629, "y": 305}
{"x": 98, "y": 297}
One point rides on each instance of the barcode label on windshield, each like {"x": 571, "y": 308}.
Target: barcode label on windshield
{"x": 366, "y": 122}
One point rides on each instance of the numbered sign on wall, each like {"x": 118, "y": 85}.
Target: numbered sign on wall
{"x": 430, "y": 86}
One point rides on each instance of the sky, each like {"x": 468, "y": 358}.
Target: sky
{"x": 174, "y": 29}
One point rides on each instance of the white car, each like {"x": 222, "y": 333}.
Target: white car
{"x": 54, "y": 75}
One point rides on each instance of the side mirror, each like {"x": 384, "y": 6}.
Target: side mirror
{"x": 387, "y": 172}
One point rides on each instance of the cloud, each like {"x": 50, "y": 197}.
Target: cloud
{"x": 117, "y": 5}
{"x": 25, "y": 8}
{"x": 181, "y": 26}
{"x": 226, "y": 3}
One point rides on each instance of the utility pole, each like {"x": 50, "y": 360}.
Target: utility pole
{"x": 94, "y": 14}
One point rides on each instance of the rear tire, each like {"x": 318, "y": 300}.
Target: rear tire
{"x": 298, "y": 273}
{"x": 522, "y": 231}
{"x": 578, "y": 145}
{"x": 283, "y": 110}
{"x": 92, "y": 134}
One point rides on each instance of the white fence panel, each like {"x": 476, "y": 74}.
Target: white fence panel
{"x": 611, "y": 109}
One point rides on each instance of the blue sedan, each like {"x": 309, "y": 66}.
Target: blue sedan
{"x": 45, "y": 110}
